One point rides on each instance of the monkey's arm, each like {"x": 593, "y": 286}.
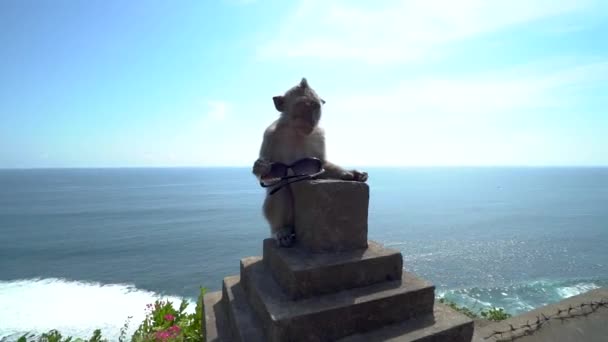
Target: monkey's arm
{"x": 334, "y": 171}
{"x": 262, "y": 165}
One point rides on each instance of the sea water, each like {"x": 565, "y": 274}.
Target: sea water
{"x": 82, "y": 249}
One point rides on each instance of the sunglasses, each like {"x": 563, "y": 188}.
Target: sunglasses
{"x": 305, "y": 168}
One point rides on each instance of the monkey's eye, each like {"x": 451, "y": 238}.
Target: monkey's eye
{"x": 308, "y": 105}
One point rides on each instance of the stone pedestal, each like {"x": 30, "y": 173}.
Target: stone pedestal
{"x": 332, "y": 285}
{"x": 331, "y": 215}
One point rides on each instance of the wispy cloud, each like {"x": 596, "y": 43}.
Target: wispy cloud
{"x": 240, "y": 2}
{"x": 489, "y": 118}
{"x": 488, "y": 92}
{"x": 399, "y": 31}
{"x": 217, "y": 110}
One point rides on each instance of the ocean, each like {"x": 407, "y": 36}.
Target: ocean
{"x": 82, "y": 249}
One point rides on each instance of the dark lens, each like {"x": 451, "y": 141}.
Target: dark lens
{"x": 277, "y": 170}
{"x": 307, "y": 166}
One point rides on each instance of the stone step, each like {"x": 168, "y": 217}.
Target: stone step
{"x": 445, "y": 324}
{"x": 214, "y": 319}
{"x": 332, "y": 316}
{"x": 242, "y": 322}
{"x": 228, "y": 316}
{"x": 303, "y": 274}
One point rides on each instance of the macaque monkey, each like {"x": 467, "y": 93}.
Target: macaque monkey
{"x": 294, "y": 135}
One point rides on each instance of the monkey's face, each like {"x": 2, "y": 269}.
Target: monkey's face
{"x": 304, "y": 115}
{"x": 302, "y": 107}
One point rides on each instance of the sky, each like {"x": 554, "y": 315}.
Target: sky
{"x": 407, "y": 83}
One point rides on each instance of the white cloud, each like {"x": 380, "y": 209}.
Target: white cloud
{"x": 491, "y": 118}
{"x": 492, "y": 92}
{"x": 217, "y": 110}
{"x": 398, "y": 31}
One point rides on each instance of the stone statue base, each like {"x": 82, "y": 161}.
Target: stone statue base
{"x": 334, "y": 284}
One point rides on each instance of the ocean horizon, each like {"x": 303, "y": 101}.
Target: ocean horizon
{"x": 84, "y": 248}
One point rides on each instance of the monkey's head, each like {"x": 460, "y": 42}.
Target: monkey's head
{"x": 301, "y": 107}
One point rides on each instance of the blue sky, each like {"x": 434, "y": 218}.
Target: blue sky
{"x": 190, "y": 83}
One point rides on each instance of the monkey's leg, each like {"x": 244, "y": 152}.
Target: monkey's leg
{"x": 278, "y": 210}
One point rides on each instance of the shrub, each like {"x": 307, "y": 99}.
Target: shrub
{"x": 462, "y": 309}
{"x": 55, "y": 336}
{"x": 162, "y": 322}
{"x": 495, "y": 314}
{"x": 492, "y": 314}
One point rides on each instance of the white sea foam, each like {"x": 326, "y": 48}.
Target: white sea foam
{"x": 576, "y": 289}
{"x": 74, "y": 308}
{"x": 521, "y": 297}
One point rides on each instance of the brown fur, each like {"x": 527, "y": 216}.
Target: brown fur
{"x": 294, "y": 135}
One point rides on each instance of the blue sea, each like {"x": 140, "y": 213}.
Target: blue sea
{"x": 86, "y": 248}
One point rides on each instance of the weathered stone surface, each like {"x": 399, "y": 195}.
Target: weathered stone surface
{"x": 332, "y": 316}
{"x": 242, "y": 322}
{"x": 444, "y": 325}
{"x": 584, "y": 323}
{"x": 302, "y": 274}
{"x": 331, "y": 215}
{"x": 214, "y": 319}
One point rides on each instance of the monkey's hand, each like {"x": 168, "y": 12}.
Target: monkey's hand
{"x": 355, "y": 175}
{"x": 261, "y": 167}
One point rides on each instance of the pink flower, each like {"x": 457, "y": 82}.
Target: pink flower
{"x": 163, "y": 335}
{"x": 169, "y": 317}
{"x": 175, "y": 329}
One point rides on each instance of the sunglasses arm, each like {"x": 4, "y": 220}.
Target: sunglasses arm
{"x": 286, "y": 182}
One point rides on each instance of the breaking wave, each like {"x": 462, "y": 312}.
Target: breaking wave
{"x": 522, "y": 297}
{"x": 74, "y": 308}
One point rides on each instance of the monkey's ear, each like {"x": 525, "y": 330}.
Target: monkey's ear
{"x": 279, "y": 103}
{"x": 322, "y": 101}
{"x": 304, "y": 83}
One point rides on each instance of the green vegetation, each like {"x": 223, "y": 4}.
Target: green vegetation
{"x": 55, "y": 336}
{"x": 495, "y": 314}
{"x": 492, "y": 314}
{"x": 162, "y": 322}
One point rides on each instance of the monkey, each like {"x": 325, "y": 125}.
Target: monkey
{"x": 294, "y": 135}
